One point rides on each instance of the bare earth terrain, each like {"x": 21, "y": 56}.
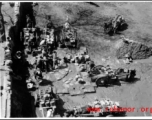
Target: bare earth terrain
{"x": 89, "y": 20}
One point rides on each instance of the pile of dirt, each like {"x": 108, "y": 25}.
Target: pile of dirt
{"x": 135, "y": 49}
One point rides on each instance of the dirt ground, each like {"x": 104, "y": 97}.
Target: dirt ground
{"x": 130, "y": 95}
{"x": 89, "y": 19}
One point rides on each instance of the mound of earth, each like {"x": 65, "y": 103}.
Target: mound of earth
{"x": 135, "y": 49}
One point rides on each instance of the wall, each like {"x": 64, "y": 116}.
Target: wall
{"x": 22, "y": 103}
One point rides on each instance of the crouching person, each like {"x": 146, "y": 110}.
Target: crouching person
{"x": 82, "y": 68}
{"x": 90, "y": 65}
{"x": 79, "y": 78}
{"x": 38, "y": 75}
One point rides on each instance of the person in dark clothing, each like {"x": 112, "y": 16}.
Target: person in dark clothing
{"x": 1, "y": 89}
{"x": 50, "y": 25}
{"x": 28, "y": 21}
{"x": 55, "y": 60}
{"x": 45, "y": 63}
{"x": 32, "y": 42}
{"x": 49, "y": 62}
{"x": 38, "y": 62}
{"x": 38, "y": 75}
{"x": 90, "y": 64}
{"x": 8, "y": 43}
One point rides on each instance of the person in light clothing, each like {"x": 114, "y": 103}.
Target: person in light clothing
{"x": 102, "y": 103}
{"x": 29, "y": 85}
{"x": 106, "y": 102}
{"x": 97, "y": 103}
{"x": 117, "y": 104}
{"x": 38, "y": 75}
{"x": 49, "y": 113}
{"x": 7, "y": 55}
{"x": 87, "y": 58}
{"x": 79, "y": 78}
{"x": 55, "y": 60}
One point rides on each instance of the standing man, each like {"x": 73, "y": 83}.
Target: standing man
{"x": 90, "y": 64}
{"x": 55, "y": 60}
{"x": 28, "y": 21}
{"x": 38, "y": 75}
{"x": 67, "y": 24}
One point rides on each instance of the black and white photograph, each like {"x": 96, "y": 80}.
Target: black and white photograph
{"x": 75, "y": 59}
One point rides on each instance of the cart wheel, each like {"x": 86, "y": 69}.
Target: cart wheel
{"x": 108, "y": 30}
{"x": 100, "y": 82}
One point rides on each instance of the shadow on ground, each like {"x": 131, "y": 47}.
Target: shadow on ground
{"x": 45, "y": 82}
{"x": 60, "y": 108}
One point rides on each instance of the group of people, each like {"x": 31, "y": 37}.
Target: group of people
{"x": 46, "y": 45}
{"x": 47, "y": 62}
{"x": 108, "y": 70}
{"x": 47, "y": 59}
{"x": 70, "y": 36}
{"x": 103, "y": 104}
{"x": 38, "y": 76}
{"x": 83, "y": 61}
{"x": 30, "y": 39}
{"x": 99, "y": 107}
{"x": 79, "y": 59}
{"x": 7, "y": 51}
{"x": 38, "y": 39}
{"x": 48, "y": 101}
